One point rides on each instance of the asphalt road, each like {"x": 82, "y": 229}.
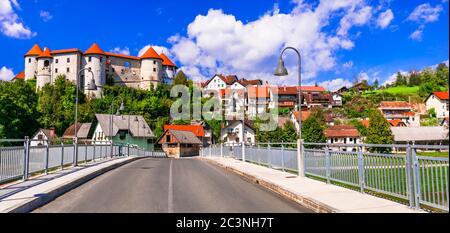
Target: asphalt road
{"x": 170, "y": 186}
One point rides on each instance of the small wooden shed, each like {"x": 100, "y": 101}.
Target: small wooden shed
{"x": 177, "y": 143}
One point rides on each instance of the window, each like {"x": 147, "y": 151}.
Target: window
{"x": 101, "y": 59}
{"x": 154, "y": 62}
{"x": 154, "y": 69}
{"x": 122, "y": 135}
{"x": 167, "y": 138}
{"x": 46, "y": 63}
{"x": 56, "y": 70}
{"x": 40, "y": 137}
{"x": 56, "y": 61}
{"x": 230, "y": 130}
{"x": 29, "y": 60}
{"x": 90, "y": 59}
{"x": 127, "y": 65}
{"x": 68, "y": 60}
{"x": 68, "y": 70}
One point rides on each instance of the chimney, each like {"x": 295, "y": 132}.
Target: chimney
{"x": 52, "y": 132}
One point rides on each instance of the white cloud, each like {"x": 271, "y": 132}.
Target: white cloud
{"x": 348, "y": 64}
{"x": 218, "y": 42}
{"x": 157, "y": 48}
{"x": 385, "y": 18}
{"x": 119, "y": 50}
{"x": 45, "y": 16}
{"x": 335, "y": 84}
{"x": 363, "y": 76}
{"x": 10, "y": 23}
{"x": 391, "y": 79}
{"x": 417, "y": 34}
{"x": 425, "y": 13}
{"x": 6, "y": 74}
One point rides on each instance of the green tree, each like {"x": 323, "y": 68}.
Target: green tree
{"x": 313, "y": 129}
{"x": 379, "y": 132}
{"x": 180, "y": 79}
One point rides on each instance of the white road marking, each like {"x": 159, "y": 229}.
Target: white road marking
{"x": 170, "y": 194}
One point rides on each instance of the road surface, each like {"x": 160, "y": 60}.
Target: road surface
{"x": 161, "y": 185}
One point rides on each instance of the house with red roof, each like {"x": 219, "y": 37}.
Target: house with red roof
{"x": 141, "y": 72}
{"x": 20, "y": 75}
{"x": 343, "y": 136}
{"x": 400, "y": 111}
{"x": 202, "y": 131}
{"x": 439, "y": 102}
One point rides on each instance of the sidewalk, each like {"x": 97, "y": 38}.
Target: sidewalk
{"x": 319, "y": 196}
{"x": 26, "y": 196}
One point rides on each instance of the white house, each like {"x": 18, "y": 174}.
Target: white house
{"x": 258, "y": 100}
{"x": 343, "y": 134}
{"x": 337, "y": 99}
{"x": 400, "y": 110}
{"x": 232, "y": 133}
{"x": 438, "y": 101}
{"x": 43, "y": 136}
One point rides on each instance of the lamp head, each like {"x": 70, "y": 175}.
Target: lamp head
{"x": 281, "y": 69}
{"x": 92, "y": 86}
{"x": 122, "y": 107}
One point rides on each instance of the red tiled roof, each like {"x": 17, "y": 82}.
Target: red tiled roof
{"x": 61, "y": 51}
{"x": 312, "y": 89}
{"x": 20, "y": 75}
{"x": 244, "y": 82}
{"x": 167, "y": 61}
{"x": 305, "y": 115}
{"x": 395, "y": 104}
{"x": 195, "y": 129}
{"x": 397, "y": 123}
{"x": 341, "y": 131}
{"x": 121, "y": 56}
{"x": 45, "y": 54}
{"x": 258, "y": 92}
{"x": 34, "y": 51}
{"x": 151, "y": 54}
{"x": 293, "y": 90}
{"x": 441, "y": 95}
{"x": 94, "y": 50}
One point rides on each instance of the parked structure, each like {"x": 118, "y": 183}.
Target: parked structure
{"x": 45, "y": 137}
{"x": 138, "y": 72}
{"x": 400, "y": 110}
{"x": 204, "y": 134}
{"x": 343, "y": 134}
{"x": 232, "y": 133}
{"x": 124, "y": 129}
{"x": 436, "y": 135}
{"x": 177, "y": 143}
{"x": 84, "y": 132}
{"x": 439, "y": 102}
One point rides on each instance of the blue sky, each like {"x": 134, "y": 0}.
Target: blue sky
{"x": 340, "y": 40}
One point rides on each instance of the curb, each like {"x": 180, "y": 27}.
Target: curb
{"x": 45, "y": 198}
{"x": 306, "y": 202}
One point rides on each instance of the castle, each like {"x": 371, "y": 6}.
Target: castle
{"x": 142, "y": 72}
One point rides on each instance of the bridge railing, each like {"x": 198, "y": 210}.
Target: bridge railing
{"x": 402, "y": 173}
{"x": 20, "y": 160}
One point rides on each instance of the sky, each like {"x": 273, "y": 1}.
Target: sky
{"x": 340, "y": 41}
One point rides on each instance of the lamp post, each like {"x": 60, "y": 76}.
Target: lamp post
{"x": 121, "y": 108}
{"x": 90, "y": 87}
{"x": 282, "y": 71}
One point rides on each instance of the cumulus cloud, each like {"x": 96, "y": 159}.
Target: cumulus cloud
{"x": 218, "y": 42}
{"x": 11, "y": 24}
{"x": 45, "y": 16}
{"x": 119, "y": 50}
{"x": 157, "y": 48}
{"x": 336, "y": 84}
{"x": 385, "y": 18}
{"x": 348, "y": 64}
{"x": 6, "y": 74}
{"x": 422, "y": 15}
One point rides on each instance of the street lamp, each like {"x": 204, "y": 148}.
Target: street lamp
{"x": 282, "y": 71}
{"x": 90, "y": 87}
{"x": 121, "y": 108}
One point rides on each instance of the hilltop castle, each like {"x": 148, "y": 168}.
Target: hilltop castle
{"x": 137, "y": 72}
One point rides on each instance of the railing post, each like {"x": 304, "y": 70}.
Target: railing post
{"x": 221, "y": 150}
{"x": 46, "y": 157}
{"x": 210, "y": 147}
{"x": 269, "y": 154}
{"x": 75, "y": 152}
{"x": 112, "y": 148}
{"x": 62, "y": 156}
{"x": 85, "y": 152}
{"x": 416, "y": 176}
{"x": 361, "y": 172}
{"x": 128, "y": 149}
{"x": 93, "y": 156}
{"x": 300, "y": 158}
{"x": 327, "y": 164}
{"x": 282, "y": 157}
{"x": 409, "y": 176}
{"x": 26, "y": 155}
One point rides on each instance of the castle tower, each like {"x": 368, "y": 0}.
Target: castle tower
{"x": 31, "y": 62}
{"x": 44, "y": 68}
{"x": 151, "y": 69}
{"x": 95, "y": 59}
{"x": 169, "y": 69}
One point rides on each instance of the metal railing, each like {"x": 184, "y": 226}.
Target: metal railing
{"x": 405, "y": 176}
{"x": 20, "y": 162}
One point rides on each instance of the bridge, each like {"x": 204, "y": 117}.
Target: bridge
{"x": 224, "y": 178}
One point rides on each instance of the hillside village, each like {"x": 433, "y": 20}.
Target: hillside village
{"x": 343, "y": 116}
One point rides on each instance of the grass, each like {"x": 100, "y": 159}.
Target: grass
{"x": 405, "y": 90}
{"x": 434, "y": 154}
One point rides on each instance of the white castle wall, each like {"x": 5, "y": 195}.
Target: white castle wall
{"x": 61, "y": 64}
{"x": 125, "y": 76}
{"x": 44, "y": 73}
{"x": 97, "y": 65}
{"x": 151, "y": 73}
{"x": 30, "y": 67}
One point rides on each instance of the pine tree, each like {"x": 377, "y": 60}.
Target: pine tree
{"x": 379, "y": 132}
{"x": 180, "y": 79}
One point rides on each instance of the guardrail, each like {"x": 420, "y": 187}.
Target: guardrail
{"x": 405, "y": 176}
{"x": 20, "y": 162}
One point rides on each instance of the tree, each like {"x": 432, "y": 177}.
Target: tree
{"x": 313, "y": 128}
{"x": 375, "y": 85}
{"x": 379, "y": 132}
{"x": 442, "y": 74}
{"x": 401, "y": 80}
{"x": 180, "y": 79}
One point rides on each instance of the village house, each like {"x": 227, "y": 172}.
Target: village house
{"x": 201, "y": 131}
{"x": 400, "y": 110}
{"x": 123, "y": 129}
{"x": 44, "y": 137}
{"x": 393, "y": 123}
{"x": 84, "y": 132}
{"x": 178, "y": 143}
{"x": 324, "y": 100}
{"x": 232, "y": 133}
{"x": 337, "y": 99}
{"x": 258, "y": 100}
{"x": 439, "y": 102}
{"x": 343, "y": 134}
{"x": 295, "y": 116}
{"x": 360, "y": 87}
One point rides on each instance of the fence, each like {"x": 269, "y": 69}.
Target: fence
{"x": 408, "y": 177}
{"x": 19, "y": 162}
